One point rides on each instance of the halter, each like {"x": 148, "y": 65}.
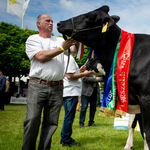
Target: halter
{"x": 74, "y": 31}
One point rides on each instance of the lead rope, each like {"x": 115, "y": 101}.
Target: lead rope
{"x": 65, "y": 38}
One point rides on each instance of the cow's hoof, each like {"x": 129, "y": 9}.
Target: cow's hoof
{"x": 132, "y": 147}
{"x": 129, "y": 148}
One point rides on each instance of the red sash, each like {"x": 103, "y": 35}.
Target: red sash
{"x": 123, "y": 65}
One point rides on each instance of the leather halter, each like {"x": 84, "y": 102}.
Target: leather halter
{"x": 74, "y": 31}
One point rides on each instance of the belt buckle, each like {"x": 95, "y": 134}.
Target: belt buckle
{"x": 53, "y": 83}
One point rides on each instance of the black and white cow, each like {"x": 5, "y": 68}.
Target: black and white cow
{"x": 95, "y": 66}
{"x": 86, "y": 28}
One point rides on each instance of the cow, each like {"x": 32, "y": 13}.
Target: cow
{"x": 87, "y": 29}
{"x": 95, "y": 66}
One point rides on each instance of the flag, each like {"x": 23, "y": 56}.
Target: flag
{"x": 80, "y": 51}
{"x": 92, "y": 54}
{"x": 17, "y": 7}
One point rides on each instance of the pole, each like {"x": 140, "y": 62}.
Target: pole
{"x": 22, "y": 22}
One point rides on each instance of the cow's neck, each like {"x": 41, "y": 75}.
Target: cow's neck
{"x": 104, "y": 45}
{"x": 106, "y": 51}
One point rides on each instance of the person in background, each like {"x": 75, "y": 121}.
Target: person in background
{"x": 78, "y": 105}
{"x": 45, "y": 88}
{"x": 90, "y": 88}
{"x": 2, "y": 90}
{"x": 71, "y": 92}
{"x": 7, "y": 92}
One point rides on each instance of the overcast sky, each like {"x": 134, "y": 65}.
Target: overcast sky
{"x": 134, "y": 14}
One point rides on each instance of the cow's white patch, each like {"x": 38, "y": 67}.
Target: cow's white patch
{"x": 100, "y": 69}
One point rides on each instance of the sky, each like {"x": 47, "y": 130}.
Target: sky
{"x": 134, "y": 14}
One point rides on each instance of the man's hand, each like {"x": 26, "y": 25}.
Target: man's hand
{"x": 68, "y": 43}
{"x": 98, "y": 79}
{"x": 83, "y": 68}
{"x": 87, "y": 73}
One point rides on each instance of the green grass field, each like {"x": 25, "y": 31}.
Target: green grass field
{"x": 103, "y": 137}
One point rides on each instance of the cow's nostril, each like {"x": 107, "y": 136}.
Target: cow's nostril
{"x": 58, "y": 24}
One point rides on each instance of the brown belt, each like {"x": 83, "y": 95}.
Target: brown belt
{"x": 50, "y": 83}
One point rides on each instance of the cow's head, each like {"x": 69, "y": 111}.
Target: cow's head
{"x": 92, "y": 23}
{"x": 96, "y": 29}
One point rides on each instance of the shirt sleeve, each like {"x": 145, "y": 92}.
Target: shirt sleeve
{"x": 90, "y": 79}
{"x": 71, "y": 66}
{"x": 33, "y": 46}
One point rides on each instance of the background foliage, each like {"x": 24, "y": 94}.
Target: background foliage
{"x": 84, "y": 56}
{"x": 13, "y": 59}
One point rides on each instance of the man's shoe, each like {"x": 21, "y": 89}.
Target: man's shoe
{"x": 71, "y": 144}
{"x": 93, "y": 125}
{"x": 81, "y": 126}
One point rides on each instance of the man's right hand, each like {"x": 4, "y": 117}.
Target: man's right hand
{"x": 68, "y": 43}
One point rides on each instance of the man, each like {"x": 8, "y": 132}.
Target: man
{"x": 2, "y": 90}
{"x": 7, "y": 92}
{"x": 45, "y": 89}
{"x": 90, "y": 88}
{"x": 72, "y": 89}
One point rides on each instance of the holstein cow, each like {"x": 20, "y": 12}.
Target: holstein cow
{"x": 87, "y": 29}
{"x": 95, "y": 66}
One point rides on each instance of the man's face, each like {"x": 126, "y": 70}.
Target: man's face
{"x": 46, "y": 23}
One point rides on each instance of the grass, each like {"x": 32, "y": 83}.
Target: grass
{"x": 103, "y": 137}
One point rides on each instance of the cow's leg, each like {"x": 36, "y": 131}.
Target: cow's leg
{"x": 129, "y": 143}
{"x": 145, "y": 114}
{"x": 139, "y": 118}
{"x": 145, "y": 143}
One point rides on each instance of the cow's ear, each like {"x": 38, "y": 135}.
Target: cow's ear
{"x": 115, "y": 18}
{"x": 105, "y": 8}
{"x": 107, "y": 22}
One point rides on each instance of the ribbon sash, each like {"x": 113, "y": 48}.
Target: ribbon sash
{"x": 115, "y": 100}
{"x": 123, "y": 65}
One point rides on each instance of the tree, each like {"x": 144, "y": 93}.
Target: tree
{"x": 13, "y": 59}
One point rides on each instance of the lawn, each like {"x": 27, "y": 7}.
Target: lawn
{"x": 103, "y": 137}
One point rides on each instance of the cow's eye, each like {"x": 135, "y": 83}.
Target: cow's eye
{"x": 91, "y": 18}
